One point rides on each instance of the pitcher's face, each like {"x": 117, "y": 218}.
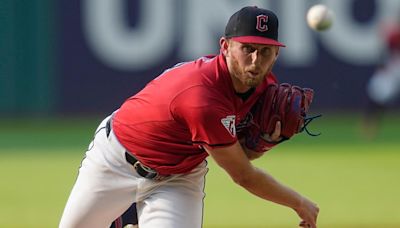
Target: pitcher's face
{"x": 248, "y": 63}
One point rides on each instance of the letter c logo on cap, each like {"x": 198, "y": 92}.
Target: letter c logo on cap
{"x": 262, "y": 23}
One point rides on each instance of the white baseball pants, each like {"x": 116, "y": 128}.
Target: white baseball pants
{"x": 107, "y": 185}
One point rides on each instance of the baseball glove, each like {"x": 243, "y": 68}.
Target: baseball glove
{"x": 286, "y": 103}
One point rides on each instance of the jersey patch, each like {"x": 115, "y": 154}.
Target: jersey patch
{"x": 229, "y": 124}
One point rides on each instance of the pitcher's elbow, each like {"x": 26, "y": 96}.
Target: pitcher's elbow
{"x": 242, "y": 180}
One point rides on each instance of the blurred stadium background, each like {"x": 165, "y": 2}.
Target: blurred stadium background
{"x": 66, "y": 64}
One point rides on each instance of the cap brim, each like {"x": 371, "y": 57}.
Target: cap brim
{"x": 257, "y": 40}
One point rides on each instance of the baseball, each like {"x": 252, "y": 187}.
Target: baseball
{"x": 319, "y": 17}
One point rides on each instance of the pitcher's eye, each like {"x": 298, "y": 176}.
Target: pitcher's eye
{"x": 266, "y": 51}
{"x": 248, "y": 49}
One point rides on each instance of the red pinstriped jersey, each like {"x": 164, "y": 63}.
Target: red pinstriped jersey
{"x": 190, "y": 105}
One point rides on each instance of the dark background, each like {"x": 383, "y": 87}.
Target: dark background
{"x": 49, "y": 68}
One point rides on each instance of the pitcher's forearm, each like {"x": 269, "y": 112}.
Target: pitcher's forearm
{"x": 265, "y": 186}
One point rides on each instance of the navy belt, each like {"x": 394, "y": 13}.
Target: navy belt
{"x": 141, "y": 169}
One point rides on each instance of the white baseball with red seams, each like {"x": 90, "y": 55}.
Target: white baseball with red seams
{"x": 319, "y": 17}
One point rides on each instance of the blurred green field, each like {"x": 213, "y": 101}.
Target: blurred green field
{"x": 355, "y": 181}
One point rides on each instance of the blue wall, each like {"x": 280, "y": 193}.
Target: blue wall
{"x": 87, "y": 56}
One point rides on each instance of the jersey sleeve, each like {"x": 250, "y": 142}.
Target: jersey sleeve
{"x": 207, "y": 115}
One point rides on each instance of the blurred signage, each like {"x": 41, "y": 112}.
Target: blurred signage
{"x": 111, "y": 49}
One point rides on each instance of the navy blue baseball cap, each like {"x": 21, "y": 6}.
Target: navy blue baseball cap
{"x": 253, "y": 25}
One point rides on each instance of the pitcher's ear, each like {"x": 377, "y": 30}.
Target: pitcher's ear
{"x": 223, "y": 43}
